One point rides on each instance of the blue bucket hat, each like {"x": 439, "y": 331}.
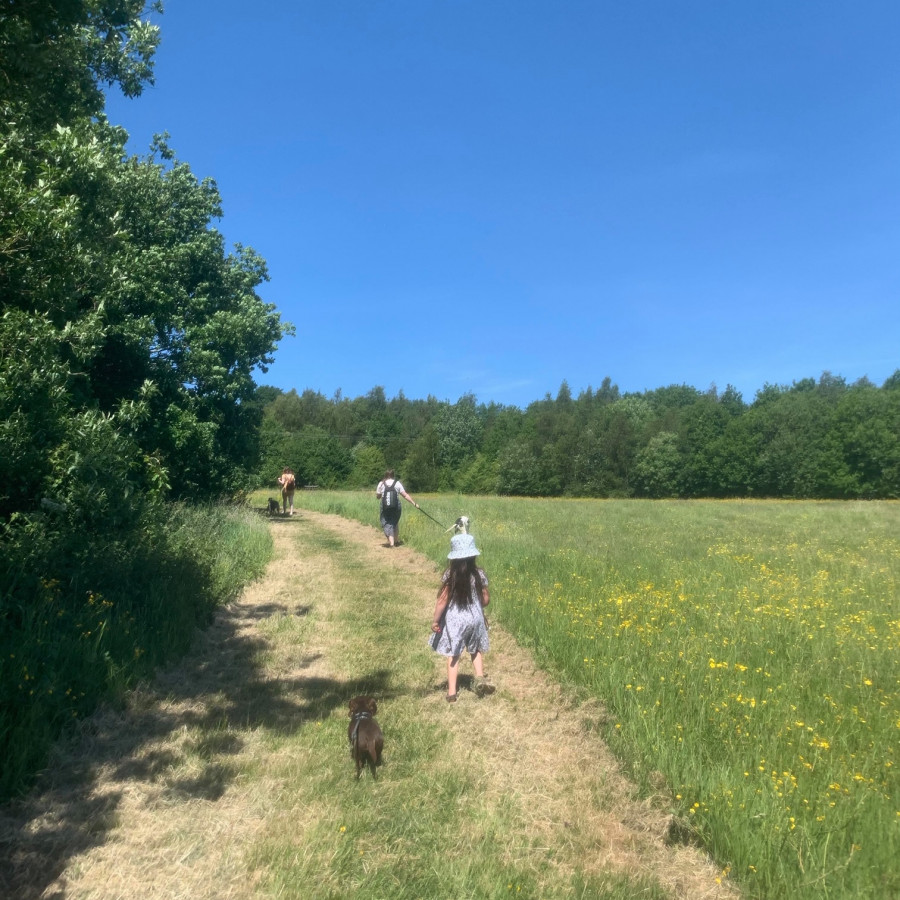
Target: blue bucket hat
{"x": 462, "y": 546}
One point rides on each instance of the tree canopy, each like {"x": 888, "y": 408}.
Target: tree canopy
{"x": 128, "y": 336}
{"x": 816, "y": 438}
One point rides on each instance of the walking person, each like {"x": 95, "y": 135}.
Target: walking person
{"x": 389, "y": 492}
{"x": 458, "y": 623}
{"x": 288, "y": 483}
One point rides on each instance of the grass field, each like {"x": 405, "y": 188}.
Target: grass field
{"x": 747, "y": 651}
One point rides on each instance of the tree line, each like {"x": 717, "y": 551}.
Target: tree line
{"x": 820, "y": 438}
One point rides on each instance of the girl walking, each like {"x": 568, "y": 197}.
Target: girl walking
{"x": 458, "y": 623}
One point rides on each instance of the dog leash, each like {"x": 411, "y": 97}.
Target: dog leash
{"x": 433, "y": 519}
{"x": 357, "y": 718}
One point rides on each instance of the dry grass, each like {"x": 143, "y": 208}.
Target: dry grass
{"x": 239, "y": 746}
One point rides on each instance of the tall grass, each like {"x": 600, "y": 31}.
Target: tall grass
{"x": 748, "y": 651}
{"x": 84, "y": 616}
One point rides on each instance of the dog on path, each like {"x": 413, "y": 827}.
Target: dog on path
{"x": 364, "y": 734}
{"x": 274, "y": 507}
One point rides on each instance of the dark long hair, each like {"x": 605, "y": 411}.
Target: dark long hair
{"x": 463, "y": 572}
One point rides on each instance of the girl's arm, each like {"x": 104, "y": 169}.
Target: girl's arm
{"x": 440, "y": 608}
{"x": 404, "y": 494}
{"x": 485, "y": 593}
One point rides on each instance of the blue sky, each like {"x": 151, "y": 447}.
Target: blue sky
{"x": 460, "y": 196}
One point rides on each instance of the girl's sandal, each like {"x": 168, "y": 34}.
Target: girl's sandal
{"x": 451, "y": 698}
{"x": 483, "y": 687}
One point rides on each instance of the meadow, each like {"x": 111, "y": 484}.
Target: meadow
{"x": 745, "y": 651}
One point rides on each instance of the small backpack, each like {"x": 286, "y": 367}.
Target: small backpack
{"x": 390, "y": 499}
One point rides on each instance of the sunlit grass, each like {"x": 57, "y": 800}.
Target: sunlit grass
{"x": 433, "y": 824}
{"x": 746, "y": 650}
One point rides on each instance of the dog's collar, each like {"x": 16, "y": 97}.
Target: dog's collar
{"x": 361, "y": 715}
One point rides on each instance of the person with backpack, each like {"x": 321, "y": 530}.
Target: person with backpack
{"x": 389, "y": 492}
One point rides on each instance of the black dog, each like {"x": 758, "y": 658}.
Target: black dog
{"x": 274, "y": 508}
{"x": 366, "y": 739}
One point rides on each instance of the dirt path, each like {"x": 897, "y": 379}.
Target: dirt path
{"x": 117, "y": 814}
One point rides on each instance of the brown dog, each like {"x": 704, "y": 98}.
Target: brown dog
{"x": 364, "y": 734}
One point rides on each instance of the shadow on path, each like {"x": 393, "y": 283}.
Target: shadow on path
{"x": 199, "y": 710}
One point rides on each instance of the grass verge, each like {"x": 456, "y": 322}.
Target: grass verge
{"x": 82, "y": 617}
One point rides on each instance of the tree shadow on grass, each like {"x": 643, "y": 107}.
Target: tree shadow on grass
{"x": 179, "y": 738}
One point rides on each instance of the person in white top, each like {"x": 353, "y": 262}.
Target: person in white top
{"x": 389, "y": 492}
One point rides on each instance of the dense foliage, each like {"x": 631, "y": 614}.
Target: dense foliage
{"x": 812, "y": 439}
{"x": 128, "y": 339}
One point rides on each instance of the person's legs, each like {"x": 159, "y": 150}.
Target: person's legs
{"x": 483, "y": 686}
{"x": 390, "y": 531}
{"x": 452, "y": 673}
{"x": 291, "y": 499}
{"x": 284, "y": 502}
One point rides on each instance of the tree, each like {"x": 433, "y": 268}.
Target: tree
{"x": 422, "y": 470}
{"x": 128, "y": 343}
{"x": 865, "y": 426}
{"x": 700, "y": 427}
{"x": 112, "y": 266}
{"x": 657, "y": 467}
{"x": 56, "y": 54}
{"x": 519, "y": 471}
{"x": 318, "y": 458}
{"x": 368, "y": 466}
{"x": 459, "y": 429}
{"x": 480, "y": 476}
{"x": 732, "y": 401}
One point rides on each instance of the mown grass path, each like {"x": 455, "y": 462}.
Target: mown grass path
{"x": 229, "y": 777}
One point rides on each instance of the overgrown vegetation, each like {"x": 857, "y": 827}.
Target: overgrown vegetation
{"x": 85, "y": 619}
{"x": 745, "y": 650}
{"x": 812, "y": 439}
{"x": 128, "y": 338}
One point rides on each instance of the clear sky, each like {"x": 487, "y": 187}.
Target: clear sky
{"x": 491, "y": 196}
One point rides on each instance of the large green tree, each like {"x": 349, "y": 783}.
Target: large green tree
{"x": 120, "y": 303}
{"x": 128, "y": 341}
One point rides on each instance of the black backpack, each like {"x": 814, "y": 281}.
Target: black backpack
{"x": 390, "y": 499}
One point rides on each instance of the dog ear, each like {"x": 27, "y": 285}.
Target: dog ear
{"x": 353, "y": 705}
{"x": 373, "y": 706}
